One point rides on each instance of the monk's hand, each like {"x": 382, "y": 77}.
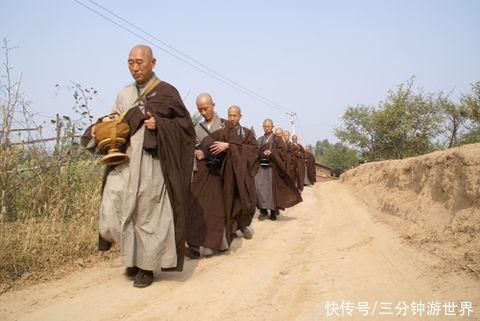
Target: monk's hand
{"x": 199, "y": 154}
{"x": 218, "y": 147}
{"x": 150, "y": 122}
{"x": 267, "y": 152}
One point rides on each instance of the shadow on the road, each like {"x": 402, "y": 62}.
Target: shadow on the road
{"x": 236, "y": 245}
{"x": 190, "y": 264}
{"x": 188, "y": 268}
{"x": 282, "y": 217}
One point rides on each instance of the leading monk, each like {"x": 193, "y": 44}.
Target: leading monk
{"x": 144, "y": 200}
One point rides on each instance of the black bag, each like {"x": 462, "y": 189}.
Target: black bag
{"x": 265, "y": 162}
{"x": 215, "y": 161}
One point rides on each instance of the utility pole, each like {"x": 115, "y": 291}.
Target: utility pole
{"x": 292, "y": 122}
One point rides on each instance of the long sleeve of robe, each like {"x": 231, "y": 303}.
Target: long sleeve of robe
{"x": 285, "y": 191}
{"x": 275, "y": 188}
{"x": 299, "y": 153}
{"x": 143, "y": 200}
{"x": 291, "y": 162}
{"x": 206, "y": 218}
{"x": 310, "y": 165}
{"x": 238, "y": 174}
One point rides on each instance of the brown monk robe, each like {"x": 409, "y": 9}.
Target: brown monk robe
{"x": 310, "y": 163}
{"x": 285, "y": 192}
{"x": 205, "y": 222}
{"x": 300, "y": 157}
{"x": 240, "y": 165}
{"x": 291, "y": 158}
{"x": 275, "y": 189}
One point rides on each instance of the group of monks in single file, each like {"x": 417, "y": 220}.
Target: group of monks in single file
{"x": 190, "y": 190}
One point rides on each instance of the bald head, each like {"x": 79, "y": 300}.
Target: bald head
{"x": 279, "y": 132}
{"x": 145, "y": 50}
{"x": 141, "y": 63}
{"x": 268, "y": 121}
{"x": 286, "y": 136}
{"x": 204, "y": 98}
{"x": 206, "y": 106}
{"x": 235, "y": 109}
{"x": 267, "y": 126}
{"x": 234, "y": 115}
{"x": 294, "y": 139}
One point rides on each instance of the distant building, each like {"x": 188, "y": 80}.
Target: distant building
{"x": 323, "y": 173}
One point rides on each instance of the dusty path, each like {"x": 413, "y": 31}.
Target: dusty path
{"x": 329, "y": 248}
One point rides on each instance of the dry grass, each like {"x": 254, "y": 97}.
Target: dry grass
{"x": 55, "y": 225}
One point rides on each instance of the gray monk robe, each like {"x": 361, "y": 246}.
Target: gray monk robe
{"x": 143, "y": 200}
{"x": 263, "y": 179}
{"x": 275, "y": 189}
{"x": 206, "y": 219}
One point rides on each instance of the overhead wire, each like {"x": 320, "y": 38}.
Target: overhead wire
{"x": 205, "y": 69}
{"x": 190, "y": 58}
{"x": 183, "y": 57}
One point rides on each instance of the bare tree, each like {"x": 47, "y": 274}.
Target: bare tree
{"x": 8, "y": 102}
{"x": 9, "y": 96}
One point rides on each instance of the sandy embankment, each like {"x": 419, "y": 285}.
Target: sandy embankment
{"x": 433, "y": 200}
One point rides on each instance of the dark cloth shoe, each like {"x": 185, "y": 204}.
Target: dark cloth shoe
{"x": 273, "y": 216}
{"x": 263, "y": 214}
{"x": 143, "y": 279}
{"x": 246, "y": 233}
{"x": 192, "y": 253}
{"x": 103, "y": 244}
{"x": 131, "y": 272}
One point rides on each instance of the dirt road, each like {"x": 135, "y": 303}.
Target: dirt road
{"x": 329, "y": 249}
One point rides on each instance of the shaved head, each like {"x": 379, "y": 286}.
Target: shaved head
{"x": 286, "y": 136}
{"x": 279, "y": 132}
{"x": 144, "y": 49}
{"x": 235, "y": 108}
{"x": 141, "y": 63}
{"x": 268, "y": 121}
{"x": 234, "y": 115}
{"x": 206, "y": 106}
{"x": 204, "y": 98}
{"x": 268, "y": 126}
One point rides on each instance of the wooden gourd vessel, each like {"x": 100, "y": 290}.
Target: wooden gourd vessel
{"x": 111, "y": 136}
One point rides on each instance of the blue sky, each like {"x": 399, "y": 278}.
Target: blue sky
{"x": 313, "y": 57}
